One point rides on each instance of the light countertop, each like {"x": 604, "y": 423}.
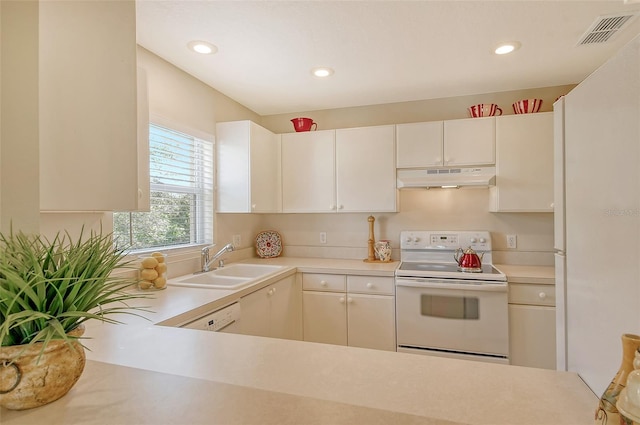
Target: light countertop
{"x": 544, "y": 275}
{"x": 139, "y": 373}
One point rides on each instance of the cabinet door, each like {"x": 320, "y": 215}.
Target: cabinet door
{"x": 254, "y": 313}
{"x": 248, "y": 168}
{"x": 324, "y": 317}
{"x": 88, "y": 106}
{"x": 365, "y": 169}
{"x": 265, "y": 189}
{"x": 524, "y": 163}
{"x": 308, "y": 171}
{"x": 469, "y": 142}
{"x": 532, "y": 336}
{"x": 419, "y": 144}
{"x": 285, "y": 310}
{"x": 371, "y": 321}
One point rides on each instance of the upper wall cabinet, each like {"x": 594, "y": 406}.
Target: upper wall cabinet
{"x": 470, "y": 141}
{"x": 88, "y": 106}
{"x": 454, "y": 143}
{"x": 308, "y": 171}
{"x": 524, "y": 164}
{"x": 419, "y": 144}
{"x": 365, "y": 169}
{"x": 346, "y": 170}
{"x": 248, "y": 168}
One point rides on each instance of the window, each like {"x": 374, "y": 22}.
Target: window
{"x": 181, "y": 213}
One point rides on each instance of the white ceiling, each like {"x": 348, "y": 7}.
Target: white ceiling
{"x": 382, "y": 51}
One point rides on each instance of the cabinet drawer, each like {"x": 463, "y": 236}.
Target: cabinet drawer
{"x": 532, "y": 294}
{"x": 370, "y": 284}
{"x": 324, "y": 282}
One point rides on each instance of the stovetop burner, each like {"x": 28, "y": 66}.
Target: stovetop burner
{"x": 431, "y": 254}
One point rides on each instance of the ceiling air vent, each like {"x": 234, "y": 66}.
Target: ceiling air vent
{"x": 605, "y": 27}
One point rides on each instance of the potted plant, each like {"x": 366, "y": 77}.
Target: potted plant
{"x": 48, "y": 289}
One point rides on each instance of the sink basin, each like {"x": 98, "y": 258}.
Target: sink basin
{"x": 209, "y": 280}
{"x": 234, "y": 276}
{"x": 246, "y": 270}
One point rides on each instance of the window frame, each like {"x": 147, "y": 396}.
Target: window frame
{"x": 208, "y": 234}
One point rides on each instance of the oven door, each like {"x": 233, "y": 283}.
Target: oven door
{"x": 453, "y": 318}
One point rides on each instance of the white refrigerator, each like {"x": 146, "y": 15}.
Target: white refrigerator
{"x": 598, "y": 218}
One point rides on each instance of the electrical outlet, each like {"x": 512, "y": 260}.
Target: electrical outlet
{"x": 323, "y": 237}
{"x": 512, "y": 241}
{"x": 237, "y": 241}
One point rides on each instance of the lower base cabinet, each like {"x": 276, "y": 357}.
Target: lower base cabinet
{"x": 358, "y": 311}
{"x": 274, "y": 311}
{"x": 532, "y": 325}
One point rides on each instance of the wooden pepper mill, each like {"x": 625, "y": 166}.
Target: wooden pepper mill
{"x": 371, "y": 255}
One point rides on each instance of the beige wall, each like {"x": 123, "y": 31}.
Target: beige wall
{"x": 19, "y": 136}
{"x": 418, "y": 111}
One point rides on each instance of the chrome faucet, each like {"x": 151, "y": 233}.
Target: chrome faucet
{"x": 205, "y": 260}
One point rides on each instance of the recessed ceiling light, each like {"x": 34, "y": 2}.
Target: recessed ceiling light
{"x": 505, "y": 48}
{"x": 322, "y": 72}
{"x": 202, "y": 47}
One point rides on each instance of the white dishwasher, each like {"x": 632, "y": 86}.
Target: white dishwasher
{"x": 223, "y": 320}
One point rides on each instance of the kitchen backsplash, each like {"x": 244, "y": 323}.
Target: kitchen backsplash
{"x": 440, "y": 209}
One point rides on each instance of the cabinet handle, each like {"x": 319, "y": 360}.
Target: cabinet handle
{"x": 542, "y": 295}
{"x": 332, "y": 207}
{"x": 323, "y": 283}
{"x": 369, "y": 285}
{"x": 349, "y": 300}
{"x": 270, "y": 292}
{"x": 340, "y": 207}
{"x": 341, "y": 300}
{"x": 253, "y": 206}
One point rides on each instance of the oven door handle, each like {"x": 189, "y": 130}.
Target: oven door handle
{"x": 452, "y": 284}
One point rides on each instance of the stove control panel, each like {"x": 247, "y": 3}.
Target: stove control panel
{"x": 448, "y": 240}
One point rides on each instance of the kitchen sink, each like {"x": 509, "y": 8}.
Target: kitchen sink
{"x": 246, "y": 270}
{"x": 234, "y": 276}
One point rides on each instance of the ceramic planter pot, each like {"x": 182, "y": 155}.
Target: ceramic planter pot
{"x": 39, "y": 377}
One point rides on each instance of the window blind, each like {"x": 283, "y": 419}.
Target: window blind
{"x": 182, "y": 174}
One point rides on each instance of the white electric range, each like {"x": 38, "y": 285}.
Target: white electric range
{"x": 443, "y": 311}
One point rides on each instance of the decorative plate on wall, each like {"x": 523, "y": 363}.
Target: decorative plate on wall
{"x": 268, "y": 244}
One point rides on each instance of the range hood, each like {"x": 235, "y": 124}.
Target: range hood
{"x": 446, "y": 177}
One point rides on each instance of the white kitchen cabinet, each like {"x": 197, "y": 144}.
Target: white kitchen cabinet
{"x": 248, "y": 168}
{"x": 524, "y": 164}
{"x": 419, "y": 144}
{"x": 308, "y": 172}
{"x": 324, "y": 317}
{"x": 359, "y": 314}
{"x": 273, "y": 311}
{"x": 346, "y": 170}
{"x": 532, "y": 325}
{"x": 365, "y": 169}
{"x": 88, "y": 106}
{"x": 469, "y": 141}
{"x": 450, "y": 143}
